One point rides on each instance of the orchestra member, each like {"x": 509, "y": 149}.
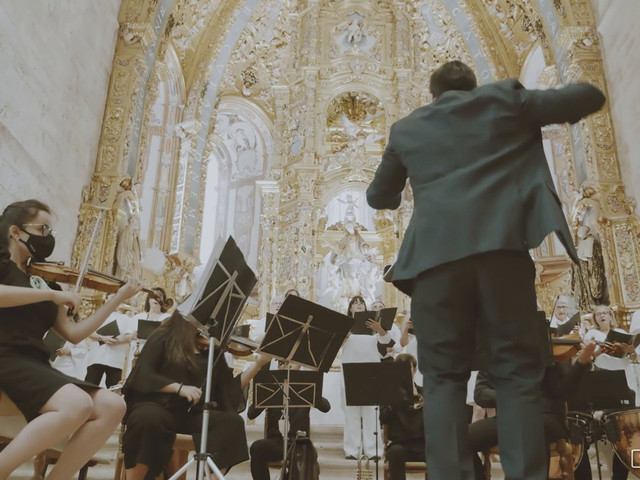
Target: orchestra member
{"x": 559, "y": 381}
{"x": 358, "y": 349}
{"x": 616, "y": 357}
{"x": 155, "y": 310}
{"x": 55, "y": 405}
{"x": 392, "y": 346}
{"x": 164, "y": 397}
{"x": 270, "y": 448}
{"x": 71, "y": 359}
{"x": 560, "y": 311}
{"x": 108, "y": 354}
{"x": 405, "y": 429}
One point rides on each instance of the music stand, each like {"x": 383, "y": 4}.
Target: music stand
{"x": 602, "y": 390}
{"x": 377, "y": 383}
{"x": 307, "y": 334}
{"x": 305, "y": 388}
{"x": 216, "y": 304}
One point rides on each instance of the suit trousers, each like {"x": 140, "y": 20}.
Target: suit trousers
{"x": 489, "y": 297}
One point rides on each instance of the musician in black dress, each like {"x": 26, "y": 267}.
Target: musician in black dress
{"x": 405, "y": 428}
{"x": 270, "y": 448}
{"x": 164, "y": 397}
{"x": 55, "y": 405}
{"x": 559, "y": 382}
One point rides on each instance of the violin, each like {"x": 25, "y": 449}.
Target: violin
{"x": 58, "y": 272}
{"x": 565, "y": 348}
{"x": 238, "y": 346}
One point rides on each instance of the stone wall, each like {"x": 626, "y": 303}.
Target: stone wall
{"x": 55, "y": 62}
{"x": 618, "y": 29}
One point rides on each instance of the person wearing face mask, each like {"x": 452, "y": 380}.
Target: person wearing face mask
{"x": 55, "y": 405}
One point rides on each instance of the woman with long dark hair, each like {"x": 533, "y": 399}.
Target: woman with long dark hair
{"x": 164, "y": 393}
{"x": 55, "y": 405}
{"x": 359, "y": 349}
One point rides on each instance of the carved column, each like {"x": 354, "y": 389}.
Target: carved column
{"x": 135, "y": 36}
{"x": 308, "y": 178}
{"x": 269, "y": 221}
{"x": 617, "y": 221}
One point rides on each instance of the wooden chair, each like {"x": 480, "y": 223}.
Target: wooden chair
{"x": 410, "y": 467}
{"x": 560, "y": 451}
{"x": 182, "y": 445}
{"x": 13, "y": 421}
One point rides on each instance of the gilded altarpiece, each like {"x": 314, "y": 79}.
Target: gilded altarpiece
{"x": 319, "y": 83}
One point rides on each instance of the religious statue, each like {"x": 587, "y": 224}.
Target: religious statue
{"x": 351, "y": 267}
{"x": 588, "y": 279}
{"x": 128, "y": 252}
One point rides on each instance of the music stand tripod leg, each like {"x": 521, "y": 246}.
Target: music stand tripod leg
{"x": 285, "y": 434}
{"x": 203, "y": 458}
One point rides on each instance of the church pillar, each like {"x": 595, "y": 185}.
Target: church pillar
{"x": 120, "y": 132}
{"x": 308, "y": 178}
{"x": 269, "y": 221}
{"x": 601, "y": 184}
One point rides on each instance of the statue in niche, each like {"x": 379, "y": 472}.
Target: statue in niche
{"x": 434, "y": 36}
{"x": 352, "y": 35}
{"x": 350, "y": 213}
{"x": 588, "y": 279}
{"x": 128, "y": 252}
{"x": 354, "y": 31}
{"x": 351, "y": 267}
{"x": 243, "y": 142}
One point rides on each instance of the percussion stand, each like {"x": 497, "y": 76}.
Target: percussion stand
{"x": 594, "y": 434}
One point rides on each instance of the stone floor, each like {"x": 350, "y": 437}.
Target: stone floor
{"x": 328, "y": 442}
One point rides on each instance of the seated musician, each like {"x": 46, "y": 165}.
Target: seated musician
{"x": 405, "y": 429}
{"x": 560, "y": 379}
{"x": 55, "y": 405}
{"x": 164, "y": 397}
{"x": 270, "y": 448}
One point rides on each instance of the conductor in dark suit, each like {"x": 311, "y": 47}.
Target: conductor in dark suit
{"x": 483, "y": 196}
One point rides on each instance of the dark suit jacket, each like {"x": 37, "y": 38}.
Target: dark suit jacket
{"x": 478, "y": 173}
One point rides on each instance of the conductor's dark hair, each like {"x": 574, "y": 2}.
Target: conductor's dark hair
{"x": 19, "y": 213}
{"x": 453, "y": 75}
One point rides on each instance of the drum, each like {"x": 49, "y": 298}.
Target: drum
{"x": 622, "y": 429}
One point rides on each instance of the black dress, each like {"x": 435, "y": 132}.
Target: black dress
{"x": 26, "y": 375}
{"x": 153, "y": 418}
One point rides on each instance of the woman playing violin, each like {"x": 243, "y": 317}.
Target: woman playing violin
{"x": 55, "y": 405}
{"x": 164, "y": 397}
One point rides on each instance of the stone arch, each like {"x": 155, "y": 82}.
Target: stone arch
{"x": 242, "y": 153}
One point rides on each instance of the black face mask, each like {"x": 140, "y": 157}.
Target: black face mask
{"x": 39, "y": 246}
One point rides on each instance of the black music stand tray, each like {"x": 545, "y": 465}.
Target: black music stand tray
{"x": 215, "y": 307}
{"x": 307, "y": 334}
{"x": 377, "y": 383}
{"x": 602, "y": 390}
{"x": 305, "y": 388}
